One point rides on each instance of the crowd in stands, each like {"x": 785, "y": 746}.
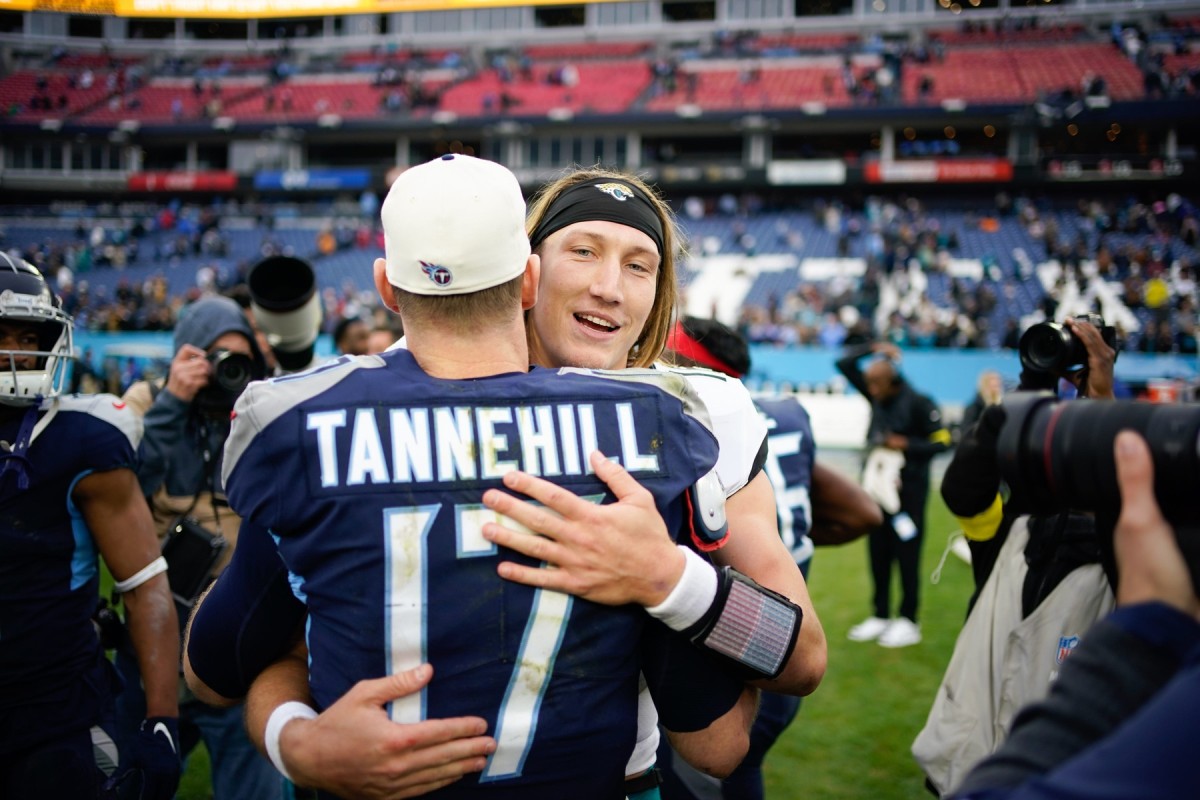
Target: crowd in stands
{"x": 1162, "y": 57}
{"x": 873, "y": 72}
{"x": 162, "y": 237}
{"x": 1103, "y": 254}
{"x": 1146, "y": 249}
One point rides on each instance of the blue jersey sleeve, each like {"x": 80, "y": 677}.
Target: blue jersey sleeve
{"x": 691, "y": 689}
{"x": 99, "y": 430}
{"x": 249, "y": 618}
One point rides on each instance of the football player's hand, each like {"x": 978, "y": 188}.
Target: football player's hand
{"x": 156, "y": 759}
{"x": 612, "y": 554}
{"x": 353, "y": 749}
{"x": 189, "y": 373}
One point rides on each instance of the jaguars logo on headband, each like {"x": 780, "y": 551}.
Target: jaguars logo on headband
{"x": 618, "y": 191}
{"x": 436, "y": 273}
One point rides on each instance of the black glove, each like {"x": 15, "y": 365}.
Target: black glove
{"x": 156, "y": 757}
{"x": 972, "y": 479}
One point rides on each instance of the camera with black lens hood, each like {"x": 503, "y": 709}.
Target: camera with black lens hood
{"x": 1057, "y": 456}
{"x": 1051, "y": 347}
{"x": 287, "y": 308}
{"x": 231, "y": 374}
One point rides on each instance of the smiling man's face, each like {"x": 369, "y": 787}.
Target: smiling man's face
{"x": 598, "y": 284}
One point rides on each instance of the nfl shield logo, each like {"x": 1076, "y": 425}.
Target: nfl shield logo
{"x": 1065, "y": 645}
{"x": 438, "y": 274}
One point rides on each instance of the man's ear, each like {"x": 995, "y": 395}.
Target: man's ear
{"x": 384, "y": 286}
{"x": 530, "y": 281}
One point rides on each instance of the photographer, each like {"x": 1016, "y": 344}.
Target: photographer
{"x": 971, "y": 486}
{"x": 1051, "y": 564}
{"x": 186, "y": 425}
{"x": 1143, "y": 660}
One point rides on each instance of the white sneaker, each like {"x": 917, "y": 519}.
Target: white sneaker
{"x": 901, "y": 633}
{"x": 869, "y": 629}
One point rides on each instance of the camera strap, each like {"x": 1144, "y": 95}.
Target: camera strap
{"x": 210, "y": 475}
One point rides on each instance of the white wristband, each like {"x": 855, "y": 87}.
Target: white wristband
{"x": 155, "y": 567}
{"x": 692, "y": 596}
{"x": 279, "y": 717}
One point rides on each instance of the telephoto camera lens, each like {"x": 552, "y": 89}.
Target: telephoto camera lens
{"x": 287, "y": 307}
{"x": 1057, "y": 456}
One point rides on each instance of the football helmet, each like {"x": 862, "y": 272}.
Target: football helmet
{"x": 25, "y": 297}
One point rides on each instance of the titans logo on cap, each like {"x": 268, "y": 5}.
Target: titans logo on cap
{"x": 617, "y": 191}
{"x": 438, "y": 274}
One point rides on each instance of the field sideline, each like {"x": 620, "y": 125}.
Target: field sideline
{"x": 852, "y": 737}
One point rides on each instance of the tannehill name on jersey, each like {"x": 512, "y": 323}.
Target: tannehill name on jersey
{"x": 360, "y": 446}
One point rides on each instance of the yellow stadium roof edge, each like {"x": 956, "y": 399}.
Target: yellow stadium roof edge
{"x": 255, "y": 9}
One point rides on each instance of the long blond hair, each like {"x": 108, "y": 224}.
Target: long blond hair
{"x": 653, "y": 339}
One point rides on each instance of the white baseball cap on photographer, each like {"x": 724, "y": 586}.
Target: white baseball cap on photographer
{"x": 454, "y": 225}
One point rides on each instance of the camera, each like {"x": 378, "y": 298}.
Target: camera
{"x": 1056, "y": 456}
{"x": 192, "y": 552}
{"x": 231, "y": 374}
{"x": 287, "y": 308}
{"x": 1050, "y": 347}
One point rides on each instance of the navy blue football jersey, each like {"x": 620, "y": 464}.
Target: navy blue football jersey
{"x": 49, "y": 579}
{"x": 368, "y": 474}
{"x": 790, "y": 455}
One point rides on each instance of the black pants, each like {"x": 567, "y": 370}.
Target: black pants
{"x": 885, "y": 547}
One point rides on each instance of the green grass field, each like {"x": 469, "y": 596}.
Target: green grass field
{"x": 852, "y": 737}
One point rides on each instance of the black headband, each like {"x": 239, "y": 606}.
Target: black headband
{"x": 607, "y": 199}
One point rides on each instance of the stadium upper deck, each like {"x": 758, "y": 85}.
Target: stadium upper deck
{"x": 759, "y": 73}
{"x": 696, "y": 94}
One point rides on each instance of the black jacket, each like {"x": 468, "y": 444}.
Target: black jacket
{"x": 907, "y": 413}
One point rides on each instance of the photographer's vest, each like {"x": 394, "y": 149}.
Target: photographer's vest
{"x": 212, "y": 513}
{"x": 1004, "y": 659}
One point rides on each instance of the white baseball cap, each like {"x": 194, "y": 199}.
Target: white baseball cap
{"x": 454, "y": 225}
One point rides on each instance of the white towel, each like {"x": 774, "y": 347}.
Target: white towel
{"x": 881, "y": 478}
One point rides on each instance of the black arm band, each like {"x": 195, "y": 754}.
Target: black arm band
{"x": 749, "y": 626}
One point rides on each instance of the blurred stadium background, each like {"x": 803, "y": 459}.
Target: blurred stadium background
{"x": 940, "y": 173}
